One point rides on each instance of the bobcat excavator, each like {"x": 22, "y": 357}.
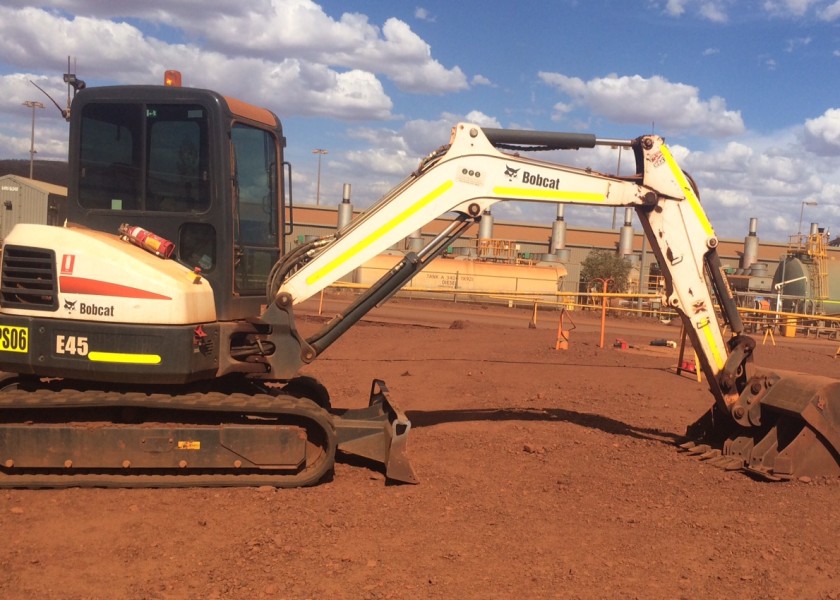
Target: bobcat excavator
{"x": 151, "y": 340}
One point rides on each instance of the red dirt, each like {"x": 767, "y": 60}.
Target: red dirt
{"x": 544, "y": 474}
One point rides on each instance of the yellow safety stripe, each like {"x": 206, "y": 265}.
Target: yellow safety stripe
{"x": 383, "y": 230}
{"x": 712, "y": 344}
{"x": 544, "y": 194}
{"x": 119, "y": 357}
{"x": 692, "y": 198}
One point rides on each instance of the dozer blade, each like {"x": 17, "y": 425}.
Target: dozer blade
{"x": 793, "y": 431}
{"x": 377, "y": 433}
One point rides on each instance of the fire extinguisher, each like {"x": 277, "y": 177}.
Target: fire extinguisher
{"x": 147, "y": 240}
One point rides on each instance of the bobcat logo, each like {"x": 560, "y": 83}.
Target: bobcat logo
{"x": 70, "y": 306}
{"x": 511, "y": 173}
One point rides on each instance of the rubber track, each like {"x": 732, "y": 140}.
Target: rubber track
{"x": 199, "y": 403}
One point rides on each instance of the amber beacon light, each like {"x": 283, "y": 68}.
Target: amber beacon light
{"x": 172, "y": 78}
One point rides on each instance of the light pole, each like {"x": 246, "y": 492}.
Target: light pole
{"x": 33, "y": 104}
{"x": 320, "y": 152}
{"x": 801, "y": 210}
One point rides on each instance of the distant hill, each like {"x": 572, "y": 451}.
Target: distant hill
{"x": 50, "y": 171}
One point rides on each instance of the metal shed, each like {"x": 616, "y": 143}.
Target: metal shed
{"x": 24, "y": 200}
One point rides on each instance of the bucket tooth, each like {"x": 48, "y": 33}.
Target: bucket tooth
{"x": 727, "y": 463}
{"x": 710, "y": 454}
{"x": 699, "y": 449}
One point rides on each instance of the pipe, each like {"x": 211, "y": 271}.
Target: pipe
{"x": 750, "y": 255}
{"x": 415, "y": 241}
{"x": 625, "y": 239}
{"x": 345, "y": 209}
{"x": 558, "y": 232}
{"x": 485, "y": 226}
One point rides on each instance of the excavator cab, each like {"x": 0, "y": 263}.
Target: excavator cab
{"x": 192, "y": 166}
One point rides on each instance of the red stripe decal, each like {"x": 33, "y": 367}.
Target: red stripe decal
{"x": 92, "y": 287}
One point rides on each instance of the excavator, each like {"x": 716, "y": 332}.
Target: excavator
{"x": 151, "y": 340}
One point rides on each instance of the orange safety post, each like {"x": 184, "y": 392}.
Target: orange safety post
{"x": 563, "y": 333}
{"x": 606, "y": 282}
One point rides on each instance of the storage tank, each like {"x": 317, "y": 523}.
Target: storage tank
{"x": 540, "y": 281}
{"x": 796, "y": 274}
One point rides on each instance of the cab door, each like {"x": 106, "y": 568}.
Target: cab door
{"x": 256, "y": 203}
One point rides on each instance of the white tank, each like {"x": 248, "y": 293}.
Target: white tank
{"x": 796, "y": 273}
{"x": 448, "y": 274}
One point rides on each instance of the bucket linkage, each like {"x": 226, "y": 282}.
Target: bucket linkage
{"x": 783, "y": 425}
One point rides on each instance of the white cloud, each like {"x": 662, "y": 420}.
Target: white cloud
{"x": 422, "y": 14}
{"x": 674, "y": 107}
{"x": 765, "y": 177}
{"x": 710, "y": 10}
{"x": 123, "y": 52}
{"x": 482, "y": 120}
{"x": 382, "y": 161}
{"x": 793, "y": 44}
{"x": 795, "y": 8}
{"x": 560, "y": 110}
{"x": 714, "y": 12}
{"x": 822, "y": 134}
{"x": 279, "y": 48}
{"x": 301, "y": 28}
{"x": 831, "y": 12}
{"x": 478, "y": 79}
{"x": 675, "y": 8}
{"x": 726, "y": 198}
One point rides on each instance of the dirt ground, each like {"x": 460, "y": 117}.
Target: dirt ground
{"x": 544, "y": 474}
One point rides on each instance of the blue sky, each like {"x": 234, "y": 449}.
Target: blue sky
{"x": 744, "y": 91}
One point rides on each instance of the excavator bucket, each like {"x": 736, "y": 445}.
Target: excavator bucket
{"x": 789, "y": 429}
{"x": 378, "y": 433}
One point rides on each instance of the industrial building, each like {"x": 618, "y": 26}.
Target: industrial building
{"x": 24, "y": 200}
{"x": 753, "y": 267}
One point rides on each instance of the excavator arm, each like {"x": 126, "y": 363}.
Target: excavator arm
{"x": 480, "y": 167}
{"x": 471, "y": 173}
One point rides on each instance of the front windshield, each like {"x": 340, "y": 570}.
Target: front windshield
{"x": 148, "y": 157}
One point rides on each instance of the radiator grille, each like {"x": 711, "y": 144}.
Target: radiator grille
{"x": 28, "y": 279}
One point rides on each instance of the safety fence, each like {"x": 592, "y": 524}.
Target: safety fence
{"x": 755, "y": 320}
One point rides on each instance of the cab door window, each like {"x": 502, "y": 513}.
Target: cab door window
{"x": 255, "y": 200}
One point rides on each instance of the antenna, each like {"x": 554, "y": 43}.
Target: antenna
{"x": 64, "y": 112}
{"x": 71, "y": 80}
